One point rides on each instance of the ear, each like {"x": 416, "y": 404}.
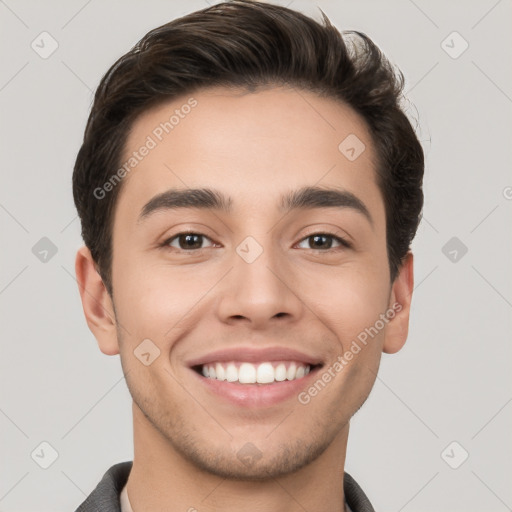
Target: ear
{"x": 96, "y": 302}
{"x": 400, "y": 303}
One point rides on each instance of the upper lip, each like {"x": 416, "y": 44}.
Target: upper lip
{"x": 253, "y": 355}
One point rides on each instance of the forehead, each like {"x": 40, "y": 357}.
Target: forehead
{"x": 252, "y": 145}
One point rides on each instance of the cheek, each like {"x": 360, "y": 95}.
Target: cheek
{"x": 158, "y": 302}
{"x": 347, "y": 301}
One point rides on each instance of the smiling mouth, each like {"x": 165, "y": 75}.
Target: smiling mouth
{"x": 268, "y": 372}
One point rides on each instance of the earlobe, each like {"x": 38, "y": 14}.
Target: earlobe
{"x": 96, "y": 302}
{"x": 400, "y": 303}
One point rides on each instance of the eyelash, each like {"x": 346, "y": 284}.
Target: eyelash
{"x": 342, "y": 241}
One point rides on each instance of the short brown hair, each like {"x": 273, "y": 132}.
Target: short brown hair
{"x": 245, "y": 43}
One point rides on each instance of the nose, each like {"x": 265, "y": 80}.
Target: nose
{"x": 259, "y": 292}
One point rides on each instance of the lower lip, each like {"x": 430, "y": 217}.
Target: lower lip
{"x": 257, "y": 395}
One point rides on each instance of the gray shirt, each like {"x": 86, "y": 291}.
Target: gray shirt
{"x": 106, "y": 497}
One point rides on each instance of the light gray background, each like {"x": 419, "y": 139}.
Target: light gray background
{"x": 451, "y": 382}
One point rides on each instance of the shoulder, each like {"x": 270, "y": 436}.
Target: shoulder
{"x": 105, "y": 496}
{"x": 355, "y": 496}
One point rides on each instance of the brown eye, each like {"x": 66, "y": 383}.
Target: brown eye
{"x": 323, "y": 241}
{"x": 187, "y": 241}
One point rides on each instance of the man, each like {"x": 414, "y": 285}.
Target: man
{"x": 248, "y": 188}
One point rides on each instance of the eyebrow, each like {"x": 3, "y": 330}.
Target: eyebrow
{"x": 207, "y": 198}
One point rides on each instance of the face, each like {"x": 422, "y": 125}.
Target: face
{"x": 273, "y": 275}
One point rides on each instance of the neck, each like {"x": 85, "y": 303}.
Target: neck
{"x": 161, "y": 479}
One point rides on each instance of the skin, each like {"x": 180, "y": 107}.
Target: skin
{"x": 253, "y": 147}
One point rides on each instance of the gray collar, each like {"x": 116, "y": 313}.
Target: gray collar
{"x": 105, "y": 496}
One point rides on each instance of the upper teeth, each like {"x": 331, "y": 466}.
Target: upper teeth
{"x": 248, "y": 373}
